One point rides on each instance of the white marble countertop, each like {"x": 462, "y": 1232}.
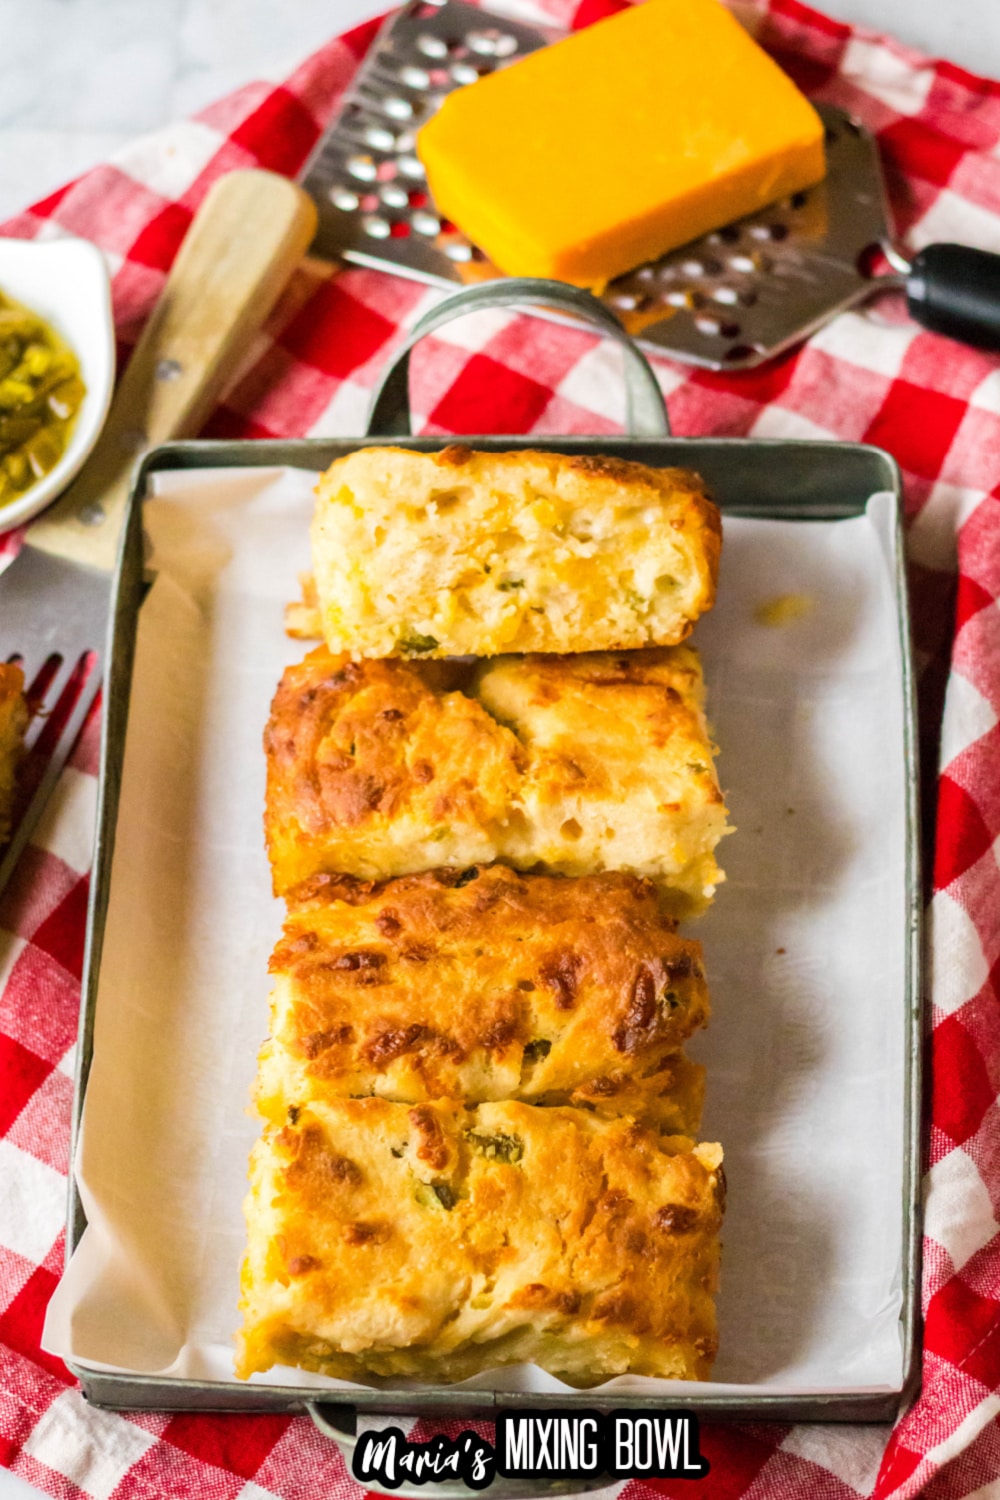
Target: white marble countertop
{"x": 78, "y": 78}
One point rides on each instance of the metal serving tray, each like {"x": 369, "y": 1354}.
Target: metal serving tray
{"x": 780, "y": 479}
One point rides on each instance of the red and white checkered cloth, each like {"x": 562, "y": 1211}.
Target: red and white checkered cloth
{"x": 871, "y": 376}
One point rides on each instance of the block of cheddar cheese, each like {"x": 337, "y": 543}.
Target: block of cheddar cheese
{"x": 619, "y": 143}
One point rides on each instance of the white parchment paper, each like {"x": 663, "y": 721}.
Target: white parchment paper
{"x": 804, "y": 947}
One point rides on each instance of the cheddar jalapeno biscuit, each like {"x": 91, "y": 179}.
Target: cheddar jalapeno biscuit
{"x": 438, "y": 1240}
{"x": 568, "y": 764}
{"x": 485, "y": 985}
{"x": 13, "y": 723}
{"x": 461, "y": 553}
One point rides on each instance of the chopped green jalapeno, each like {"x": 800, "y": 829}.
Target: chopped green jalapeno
{"x": 434, "y": 1195}
{"x": 496, "y": 1147}
{"x": 40, "y": 395}
{"x": 412, "y": 643}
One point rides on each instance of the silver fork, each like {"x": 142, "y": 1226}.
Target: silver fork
{"x": 246, "y": 239}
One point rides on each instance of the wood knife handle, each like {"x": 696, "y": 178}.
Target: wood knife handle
{"x": 246, "y": 239}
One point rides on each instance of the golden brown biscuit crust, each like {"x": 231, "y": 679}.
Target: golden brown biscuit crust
{"x": 440, "y": 1240}
{"x": 570, "y": 764}
{"x": 13, "y": 723}
{"x": 486, "y": 984}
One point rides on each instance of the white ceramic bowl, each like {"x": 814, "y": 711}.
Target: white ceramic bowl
{"x": 65, "y": 282}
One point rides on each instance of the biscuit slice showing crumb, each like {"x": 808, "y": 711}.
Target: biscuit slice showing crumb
{"x": 620, "y": 766}
{"x": 567, "y": 764}
{"x": 437, "y": 1240}
{"x": 486, "y": 985}
{"x": 462, "y": 553}
{"x": 13, "y": 723}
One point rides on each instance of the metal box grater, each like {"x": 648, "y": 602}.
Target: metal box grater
{"x": 726, "y": 301}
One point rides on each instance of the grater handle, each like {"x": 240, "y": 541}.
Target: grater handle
{"x": 955, "y": 290}
{"x": 389, "y": 414}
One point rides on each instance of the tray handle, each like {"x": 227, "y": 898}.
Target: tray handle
{"x": 389, "y": 414}
{"x": 339, "y": 1424}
